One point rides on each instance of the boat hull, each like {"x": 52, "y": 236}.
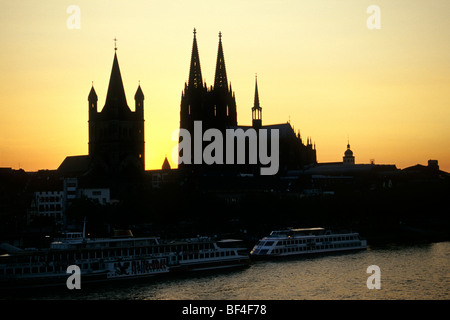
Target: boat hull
{"x": 305, "y": 254}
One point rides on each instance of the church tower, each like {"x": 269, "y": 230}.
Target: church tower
{"x": 215, "y": 107}
{"x": 348, "y": 158}
{"x": 194, "y": 94}
{"x": 256, "y": 110}
{"x": 223, "y": 102}
{"x": 116, "y": 134}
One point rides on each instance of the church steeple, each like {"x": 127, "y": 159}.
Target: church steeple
{"x": 116, "y": 101}
{"x": 220, "y": 79}
{"x": 256, "y": 110}
{"x": 348, "y": 158}
{"x": 139, "y": 100}
{"x": 116, "y": 134}
{"x": 92, "y": 99}
{"x": 195, "y": 72}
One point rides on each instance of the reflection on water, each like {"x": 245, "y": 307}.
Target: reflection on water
{"x": 407, "y": 272}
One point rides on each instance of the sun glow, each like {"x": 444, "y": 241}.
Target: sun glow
{"x": 319, "y": 66}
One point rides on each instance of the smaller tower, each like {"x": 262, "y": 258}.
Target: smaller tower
{"x": 92, "y": 100}
{"x": 166, "y": 164}
{"x": 139, "y": 101}
{"x": 256, "y": 110}
{"x": 348, "y": 158}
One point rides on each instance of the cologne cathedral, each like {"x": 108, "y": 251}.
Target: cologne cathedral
{"x": 215, "y": 106}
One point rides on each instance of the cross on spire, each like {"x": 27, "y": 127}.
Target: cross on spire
{"x": 115, "y": 44}
{"x": 220, "y": 35}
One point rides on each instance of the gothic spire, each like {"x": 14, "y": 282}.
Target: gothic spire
{"x": 256, "y": 110}
{"x": 220, "y": 79}
{"x": 256, "y": 101}
{"x": 195, "y": 72}
{"x": 115, "y": 98}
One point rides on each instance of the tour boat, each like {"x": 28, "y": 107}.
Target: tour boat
{"x": 115, "y": 258}
{"x": 291, "y": 242}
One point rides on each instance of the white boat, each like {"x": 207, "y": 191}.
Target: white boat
{"x": 292, "y": 242}
{"x": 115, "y": 258}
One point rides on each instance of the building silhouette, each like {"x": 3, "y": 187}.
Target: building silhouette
{"x": 348, "y": 158}
{"x": 116, "y": 134}
{"x": 215, "y": 107}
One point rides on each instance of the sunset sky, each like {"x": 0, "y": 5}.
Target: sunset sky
{"x": 319, "y": 66}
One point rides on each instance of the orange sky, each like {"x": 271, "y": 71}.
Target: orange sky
{"x": 318, "y": 64}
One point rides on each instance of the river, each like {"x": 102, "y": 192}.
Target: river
{"x": 405, "y": 272}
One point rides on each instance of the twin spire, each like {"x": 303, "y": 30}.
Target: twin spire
{"x": 220, "y": 79}
{"x": 195, "y": 73}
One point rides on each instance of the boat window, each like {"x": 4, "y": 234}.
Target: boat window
{"x": 269, "y": 243}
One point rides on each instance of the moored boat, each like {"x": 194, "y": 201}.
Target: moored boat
{"x": 115, "y": 258}
{"x": 302, "y": 241}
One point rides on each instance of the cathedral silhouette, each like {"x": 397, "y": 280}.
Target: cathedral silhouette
{"x": 215, "y": 107}
{"x": 116, "y": 134}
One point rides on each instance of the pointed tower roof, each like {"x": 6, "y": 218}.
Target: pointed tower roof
{"x": 139, "y": 94}
{"x": 220, "y": 79}
{"x": 256, "y": 101}
{"x": 115, "y": 98}
{"x": 92, "y": 94}
{"x": 195, "y": 72}
{"x": 166, "y": 165}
